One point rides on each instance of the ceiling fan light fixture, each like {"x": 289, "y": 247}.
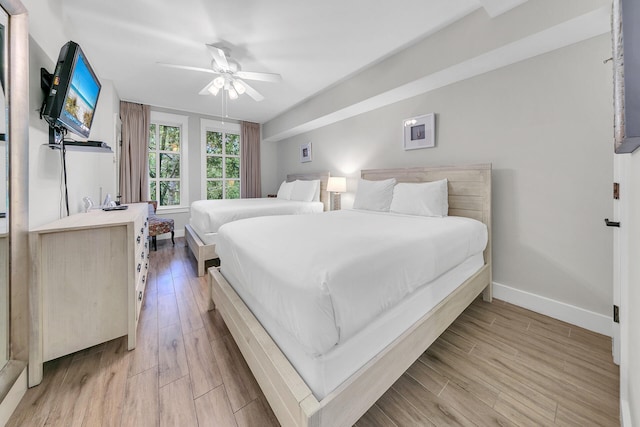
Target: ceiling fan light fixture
{"x": 239, "y": 87}
{"x": 232, "y": 93}
{"x": 213, "y": 90}
{"x": 218, "y": 82}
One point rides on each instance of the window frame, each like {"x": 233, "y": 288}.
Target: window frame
{"x": 168, "y": 119}
{"x": 217, "y": 126}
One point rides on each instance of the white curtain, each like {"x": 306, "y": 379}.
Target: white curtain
{"x": 134, "y": 155}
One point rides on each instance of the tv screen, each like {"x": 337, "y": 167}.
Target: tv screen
{"x": 74, "y": 92}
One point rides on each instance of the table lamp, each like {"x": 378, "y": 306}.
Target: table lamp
{"x": 337, "y": 185}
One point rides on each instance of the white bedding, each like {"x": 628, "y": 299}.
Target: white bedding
{"x": 324, "y": 373}
{"x": 325, "y": 277}
{"x": 207, "y": 216}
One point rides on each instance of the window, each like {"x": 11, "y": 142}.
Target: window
{"x": 167, "y": 157}
{"x": 221, "y": 160}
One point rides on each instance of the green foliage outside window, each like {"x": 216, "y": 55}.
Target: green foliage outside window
{"x": 232, "y": 167}
{"x": 223, "y": 165}
{"x": 169, "y": 138}
{"x": 232, "y": 144}
{"x": 214, "y": 190}
{"x": 233, "y": 189}
{"x": 152, "y": 136}
{"x": 169, "y": 193}
{"x": 152, "y": 168}
{"x": 214, "y": 143}
{"x": 164, "y": 164}
{"x": 214, "y": 167}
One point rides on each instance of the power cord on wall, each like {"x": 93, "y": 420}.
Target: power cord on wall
{"x": 64, "y": 171}
{"x": 59, "y": 137}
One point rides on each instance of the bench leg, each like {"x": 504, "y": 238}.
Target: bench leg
{"x": 172, "y": 241}
{"x": 155, "y": 244}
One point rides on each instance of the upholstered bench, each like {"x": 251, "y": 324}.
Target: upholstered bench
{"x": 158, "y": 225}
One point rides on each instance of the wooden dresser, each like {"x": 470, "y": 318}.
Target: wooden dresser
{"x": 88, "y": 275}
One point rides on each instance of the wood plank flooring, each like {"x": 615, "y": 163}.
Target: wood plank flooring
{"x": 498, "y": 364}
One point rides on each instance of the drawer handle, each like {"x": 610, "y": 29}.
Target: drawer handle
{"x": 145, "y": 223}
{"x": 139, "y": 267}
{"x": 138, "y": 239}
{"x": 142, "y": 230}
{"x": 146, "y": 266}
{"x": 140, "y": 296}
{"x": 142, "y": 255}
{"x": 143, "y": 278}
{"x": 611, "y": 223}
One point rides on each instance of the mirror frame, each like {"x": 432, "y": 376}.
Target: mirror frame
{"x": 18, "y": 130}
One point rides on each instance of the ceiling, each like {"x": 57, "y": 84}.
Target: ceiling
{"x": 312, "y": 45}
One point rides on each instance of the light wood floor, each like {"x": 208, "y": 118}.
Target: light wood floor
{"x": 496, "y": 365}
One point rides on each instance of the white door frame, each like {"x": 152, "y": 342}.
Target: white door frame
{"x": 622, "y": 209}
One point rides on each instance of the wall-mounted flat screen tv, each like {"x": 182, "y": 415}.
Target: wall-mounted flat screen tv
{"x": 74, "y": 92}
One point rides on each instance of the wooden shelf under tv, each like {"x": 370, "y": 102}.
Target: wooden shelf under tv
{"x": 80, "y": 148}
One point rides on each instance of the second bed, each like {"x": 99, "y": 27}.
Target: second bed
{"x": 207, "y": 216}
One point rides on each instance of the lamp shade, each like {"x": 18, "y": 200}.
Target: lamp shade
{"x": 337, "y": 184}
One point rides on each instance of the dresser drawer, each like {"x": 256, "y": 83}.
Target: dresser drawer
{"x": 139, "y": 295}
{"x": 89, "y": 292}
{"x": 141, "y": 232}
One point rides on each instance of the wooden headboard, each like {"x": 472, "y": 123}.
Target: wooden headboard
{"x": 324, "y": 179}
{"x": 469, "y": 189}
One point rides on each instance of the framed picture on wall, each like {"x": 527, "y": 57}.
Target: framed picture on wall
{"x": 305, "y": 152}
{"x": 419, "y": 132}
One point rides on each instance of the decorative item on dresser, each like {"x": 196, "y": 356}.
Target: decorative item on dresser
{"x": 158, "y": 226}
{"x": 336, "y": 185}
{"x": 88, "y": 276}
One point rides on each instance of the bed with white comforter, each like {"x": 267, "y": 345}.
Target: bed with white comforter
{"x": 317, "y": 281}
{"x": 298, "y": 194}
{"x": 330, "y": 309}
{"x": 346, "y": 268}
{"x": 207, "y": 216}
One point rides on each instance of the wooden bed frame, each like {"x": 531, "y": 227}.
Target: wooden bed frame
{"x": 290, "y": 398}
{"x": 204, "y": 252}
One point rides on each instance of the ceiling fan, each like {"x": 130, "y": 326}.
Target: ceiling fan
{"x": 230, "y": 77}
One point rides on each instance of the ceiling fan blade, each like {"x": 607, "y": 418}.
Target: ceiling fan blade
{"x": 187, "y": 67}
{"x": 219, "y": 56}
{"x": 205, "y": 90}
{"x": 264, "y": 77}
{"x": 251, "y": 91}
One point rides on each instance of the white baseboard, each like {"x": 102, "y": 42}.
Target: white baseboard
{"x": 625, "y": 414}
{"x": 558, "y": 310}
{"x": 176, "y": 233}
{"x": 14, "y": 395}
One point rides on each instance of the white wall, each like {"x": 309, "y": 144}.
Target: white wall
{"x": 544, "y": 123}
{"x": 268, "y": 167}
{"x": 88, "y": 173}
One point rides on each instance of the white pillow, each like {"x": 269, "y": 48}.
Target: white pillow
{"x": 374, "y": 195}
{"x": 425, "y": 199}
{"x": 304, "y": 191}
{"x": 284, "y": 192}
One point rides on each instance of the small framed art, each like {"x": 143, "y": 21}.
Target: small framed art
{"x": 305, "y": 152}
{"x": 419, "y": 132}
